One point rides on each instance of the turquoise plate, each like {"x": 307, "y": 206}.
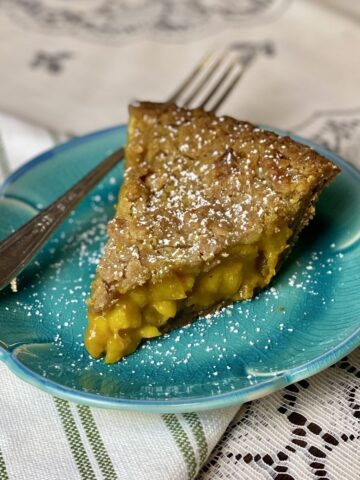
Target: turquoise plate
{"x": 305, "y": 321}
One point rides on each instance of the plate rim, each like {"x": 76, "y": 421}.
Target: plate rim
{"x": 234, "y": 397}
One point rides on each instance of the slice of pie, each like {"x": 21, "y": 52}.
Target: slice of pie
{"x": 208, "y": 209}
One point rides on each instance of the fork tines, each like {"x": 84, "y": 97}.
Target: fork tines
{"x": 213, "y": 79}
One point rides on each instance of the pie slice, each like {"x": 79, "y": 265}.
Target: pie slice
{"x": 208, "y": 209}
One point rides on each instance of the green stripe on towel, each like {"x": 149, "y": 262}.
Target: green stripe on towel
{"x": 182, "y": 441}
{"x": 76, "y": 445}
{"x": 102, "y": 457}
{"x": 196, "y": 427}
{"x": 3, "y": 471}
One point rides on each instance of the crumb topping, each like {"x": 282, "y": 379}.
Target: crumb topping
{"x": 195, "y": 185}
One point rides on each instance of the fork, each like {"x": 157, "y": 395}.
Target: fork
{"x": 207, "y": 87}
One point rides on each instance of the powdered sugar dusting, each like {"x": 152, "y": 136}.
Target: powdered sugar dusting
{"x": 237, "y": 344}
{"x": 219, "y": 345}
{"x": 196, "y": 185}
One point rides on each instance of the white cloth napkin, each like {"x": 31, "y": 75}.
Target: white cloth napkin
{"x": 73, "y": 67}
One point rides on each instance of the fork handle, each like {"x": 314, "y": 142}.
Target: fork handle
{"x": 18, "y": 249}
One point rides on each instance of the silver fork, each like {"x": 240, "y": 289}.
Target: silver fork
{"x": 207, "y": 86}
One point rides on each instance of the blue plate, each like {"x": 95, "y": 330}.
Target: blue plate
{"x": 306, "y": 320}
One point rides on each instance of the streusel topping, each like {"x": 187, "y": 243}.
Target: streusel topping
{"x": 196, "y": 185}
